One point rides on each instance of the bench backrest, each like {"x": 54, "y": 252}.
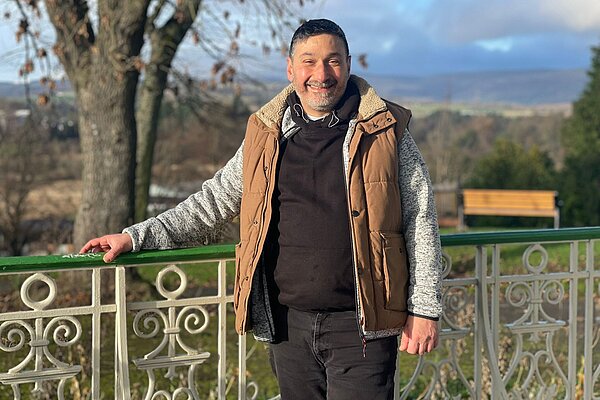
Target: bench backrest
{"x": 515, "y": 203}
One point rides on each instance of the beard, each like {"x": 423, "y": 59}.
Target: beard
{"x": 324, "y": 102}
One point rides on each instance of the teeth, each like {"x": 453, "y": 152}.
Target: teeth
{"x": 320, "y": 86}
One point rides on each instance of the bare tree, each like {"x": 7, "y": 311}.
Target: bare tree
{"x": 104, "y": 47}
{"x": 21, "y": 160}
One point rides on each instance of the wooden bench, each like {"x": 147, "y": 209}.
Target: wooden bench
{"x": 513, "y": 203}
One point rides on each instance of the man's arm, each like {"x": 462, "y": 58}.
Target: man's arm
{"x": 423, "y": 247}
{"x": 192, "y": 222}
{"x": 198, "y": 218}
{"x": 420, "y": 231}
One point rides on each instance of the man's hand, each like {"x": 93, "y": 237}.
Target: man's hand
{"x": 113, "y": 245}
{"x": 419, "y": 336}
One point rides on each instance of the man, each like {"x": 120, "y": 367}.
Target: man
{"x": 339, "y": 250}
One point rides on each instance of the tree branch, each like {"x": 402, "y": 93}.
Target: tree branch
{"x": 121, "y": 33}
{"x": 74, "y": 32}
{"x": 165, "y": 40}
{"x": 164, "y": 43}
{"x": 174, "y": 30}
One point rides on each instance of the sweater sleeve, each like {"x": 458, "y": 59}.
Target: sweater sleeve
{"x": 420, "y": 228}
{"x": 197, "y": 219}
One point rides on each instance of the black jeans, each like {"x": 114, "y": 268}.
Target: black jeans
{"x": 320, "y": 356}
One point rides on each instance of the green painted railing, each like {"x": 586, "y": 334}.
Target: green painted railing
{"x": 69, "y": 261}
{"x": 537, "y": 297}
{"x": 524, "y": 236}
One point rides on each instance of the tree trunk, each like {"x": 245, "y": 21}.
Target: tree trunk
{"x": 151, "y": 96}
{"x": 103, "y": 67}
{"x": 108, "y": 142}
{"x": 164, "y": 44}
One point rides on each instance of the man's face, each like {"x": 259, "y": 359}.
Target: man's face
{"x": 319, "y": 70}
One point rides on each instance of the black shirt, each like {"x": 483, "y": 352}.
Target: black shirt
{"x": 308, "y": 252}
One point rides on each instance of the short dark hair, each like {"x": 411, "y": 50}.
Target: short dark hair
{"x": 314, "y": 27}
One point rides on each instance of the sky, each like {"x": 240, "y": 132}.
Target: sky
{"x": 427, "y": 37}
{"x": 422, "y": 37}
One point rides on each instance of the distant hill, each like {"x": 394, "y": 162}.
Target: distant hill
{"x": 526, "y": 88}
{"x": 17, "y": 90}
{"x": 513, "y": 87}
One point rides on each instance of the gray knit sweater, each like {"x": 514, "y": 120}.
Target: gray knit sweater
{"x": 199, "y": 218}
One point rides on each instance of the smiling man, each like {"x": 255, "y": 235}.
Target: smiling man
{"x": 339, "y": 250}
{"x": 319, "y": 67}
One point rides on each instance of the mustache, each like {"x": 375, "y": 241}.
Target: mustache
{"x": 324, "y": 84}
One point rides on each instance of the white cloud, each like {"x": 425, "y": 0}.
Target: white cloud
{"x": 463, "y": 21}
{"x": 578, "y": 15}
{"x": 503, "y": 44}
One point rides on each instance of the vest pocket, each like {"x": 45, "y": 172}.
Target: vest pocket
{"x": 395, "y": 271}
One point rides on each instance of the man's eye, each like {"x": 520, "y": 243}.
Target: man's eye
{"x": 334, "y": 62}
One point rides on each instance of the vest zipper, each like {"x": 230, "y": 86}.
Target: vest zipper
{"x": 346, "y": 165}
{"x": 268, "y": 197}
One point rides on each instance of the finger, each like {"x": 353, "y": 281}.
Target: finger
{"x": 403, "y": 342}
{"x": 111, "y": 255}
{"x": 105, "y": 247}
{"x": 88, "y": 246}
{"x": 428, "y": 346}
{"x": 413, "y": 347}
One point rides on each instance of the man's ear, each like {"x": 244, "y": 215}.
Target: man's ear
{"x": 290, "y": 71}
{"x": 349, "y": 63}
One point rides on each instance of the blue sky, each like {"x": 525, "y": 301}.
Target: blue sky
{"x": 423, "y": 37}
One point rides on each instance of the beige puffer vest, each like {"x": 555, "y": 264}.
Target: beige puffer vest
{"x": 380, "y": 262}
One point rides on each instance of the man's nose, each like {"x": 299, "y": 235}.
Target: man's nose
{"x": 321, "y": 72}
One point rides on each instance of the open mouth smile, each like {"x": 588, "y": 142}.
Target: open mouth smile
{"x": 320, "y": 87}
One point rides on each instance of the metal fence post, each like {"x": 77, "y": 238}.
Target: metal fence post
{"x": 122, "y": 391}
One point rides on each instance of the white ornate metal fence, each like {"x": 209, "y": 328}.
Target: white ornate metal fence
{"x": 520, "y": 321}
